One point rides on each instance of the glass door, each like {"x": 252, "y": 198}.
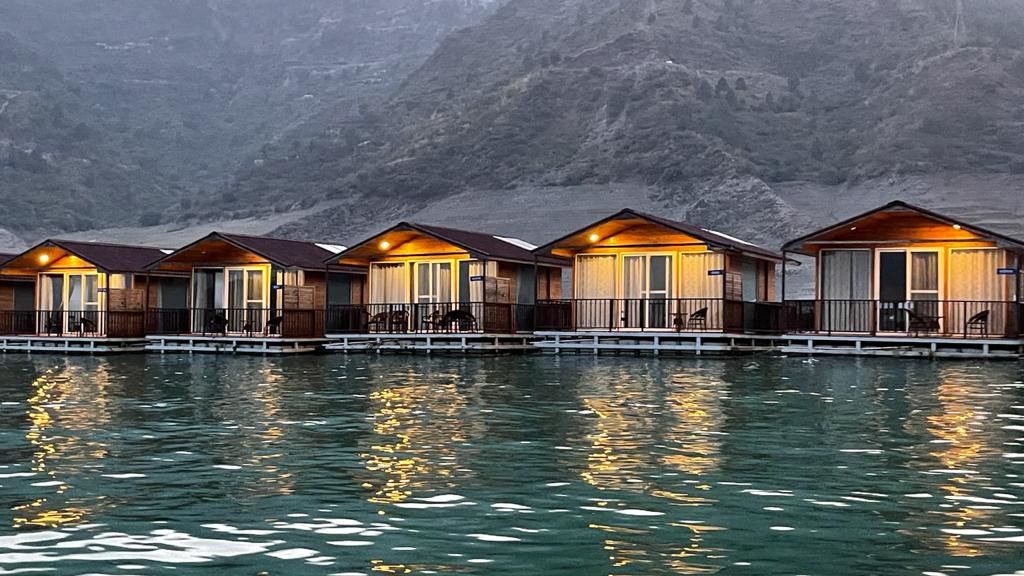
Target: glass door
{"x": 208, "y": 300}
{"x": 908, "y": 291}
{"x": 51, "y": 304}
{"x": 433, "y": 291}
{"x": 647, "y": 289}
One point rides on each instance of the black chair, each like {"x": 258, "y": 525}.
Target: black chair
{"x": 463, "y": 320}
{"x": 918, "y": 323}
{"x": 679, "y": 321}
{"x": 377, "y": 322}
{"x": 273, "y": 326}
{"x": 54, "y": 324}
{"x": 399, "y": 321}
{"x": 218, "y": 324}
{"x": 978, "y": 323}
{"x": 87, "y": 325}
{"x": 698, "y": 320}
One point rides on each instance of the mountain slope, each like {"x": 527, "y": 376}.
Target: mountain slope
{"x": 179, "y": 93}
{"x": 701, "y": 102}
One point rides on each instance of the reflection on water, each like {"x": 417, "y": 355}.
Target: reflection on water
{"x": 361, "y": 465}
{"x": 58, "y": 411}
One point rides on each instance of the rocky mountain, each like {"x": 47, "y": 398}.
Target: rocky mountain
{"x": 712, "y": 107}
{"x": 126, "y": 111}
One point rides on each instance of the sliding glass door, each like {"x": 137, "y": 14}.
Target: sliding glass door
{"x": 908, "y": 290}
{"x": 70, "y": 303}
{"x": 230, "y": 299}
{"x": 647, "y": 289}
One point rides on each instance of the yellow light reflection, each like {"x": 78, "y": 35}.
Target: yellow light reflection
{"x": 68, "y": 401}
{"x": 627, "y": 436}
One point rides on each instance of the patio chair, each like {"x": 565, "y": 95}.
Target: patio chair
{"x": 918, "y": 323}
{"x": 53, "y": 324}
{"x": 86, "y": 326}
{"x": 218, "y": 324}
{"x": 399, "y": 321}
{"x": 698, "y": 320}
{"x": 463, "y": 320}
{"x": 433, "y": 322}
{"x": 377, "y": 322}
{"x": 679, "y": 321}
{"x": 978, "y": 323}
{"x": 273, "y": 326}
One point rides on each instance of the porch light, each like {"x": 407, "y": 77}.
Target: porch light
{"x": 44, "y": 258}
{"x": 957, "y": 227}
{"x": 852, "y": 228}
{"x": 594, "y": 237}
{"x": 384, "y": 244}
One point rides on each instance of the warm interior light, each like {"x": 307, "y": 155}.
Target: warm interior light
{"x": 384, "y": 244}
{"x": 852, "y": 228}
{"x": 594, "y": 237}
{"x": 44, "y": 258}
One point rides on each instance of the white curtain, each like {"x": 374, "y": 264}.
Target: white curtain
{"x": 595, "y": 277}
{"x": 976, "y": 288}
{"x": 846, "y": 291}
{"x": 633, "y": 277}
{"x": 595, "y": 292}
{"x": 443, "y": 282}
{"x": 696, "y": 283}
{"x": 388, "y": 284}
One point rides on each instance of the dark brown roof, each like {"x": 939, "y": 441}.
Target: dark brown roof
{"x": 284, "y": 253}
{"x": 287, "y": 253}
{"x": 120, "y": 258}
{"x": 711, "y": 237}
{"x": 478, "y": 244}
{"x": 794, "y": 245}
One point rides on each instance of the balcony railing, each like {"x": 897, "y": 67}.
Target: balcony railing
{"x": 946, "y": 318}
{"x": 432, "y": 317}
{"x": 659, "y": 314}
{"x": 247, "y": 322}
{"x": 73, "y": 323}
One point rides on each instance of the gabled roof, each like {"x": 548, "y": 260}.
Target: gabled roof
{"x": 478, "y": 244}
{"x": 711, "y": 237}
{"x": 116, "y": 258}
{"x": 278, "y": 251}
{"x": 899, "y": 205}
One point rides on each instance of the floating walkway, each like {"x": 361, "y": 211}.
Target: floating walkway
{"x": 700, "y": 344}
{"x": 433, "y": 343}
{"x": 72, "y": 345}
{"x": 234, "y": 345}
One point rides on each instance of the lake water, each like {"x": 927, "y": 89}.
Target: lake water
{"x": 536, "y": 465}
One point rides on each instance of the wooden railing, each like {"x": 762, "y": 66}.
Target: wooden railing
{"x": 947, "y": 318}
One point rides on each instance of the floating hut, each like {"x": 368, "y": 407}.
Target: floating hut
{"x": 435, "y": 288}
{"x": 87, "y": 296}
{"x": 249, "y": 294}
{"x": 901, "y": 279}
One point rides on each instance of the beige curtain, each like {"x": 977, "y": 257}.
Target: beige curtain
{"x": 388, "y": 284}
{"x": 696, "y": 283}
{"x": 975, "y": 287}
{"x": 595, "y": 289}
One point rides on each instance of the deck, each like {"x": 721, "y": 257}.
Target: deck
{"x": 431, "y": 343}
{"x": 233, "y": 344}
{"x": 72, "y": 344}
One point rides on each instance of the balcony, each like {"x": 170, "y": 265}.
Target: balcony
{"x": 690, "y": 315}
{"x": 244, "y": 322}
{"x": 73, "y": 323}
{"x": 916, "y": 318}
{"x": 431, "y": 318}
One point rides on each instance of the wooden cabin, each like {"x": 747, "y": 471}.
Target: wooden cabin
{"x": 81, "y": 289}
{"x": 902, "y": 269}
{"x": 640, "y": 272}
{"x": 252, "y": 286}
{"x": 425, "y": 279}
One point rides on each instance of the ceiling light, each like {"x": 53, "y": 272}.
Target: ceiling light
{"x": 594, "y": 237}
{"x": 957, "y": 227}
{"x": 44, "y": 258}
{"x": 384, "y": 245}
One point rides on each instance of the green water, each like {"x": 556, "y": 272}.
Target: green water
{"x": 539, "y": 465}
